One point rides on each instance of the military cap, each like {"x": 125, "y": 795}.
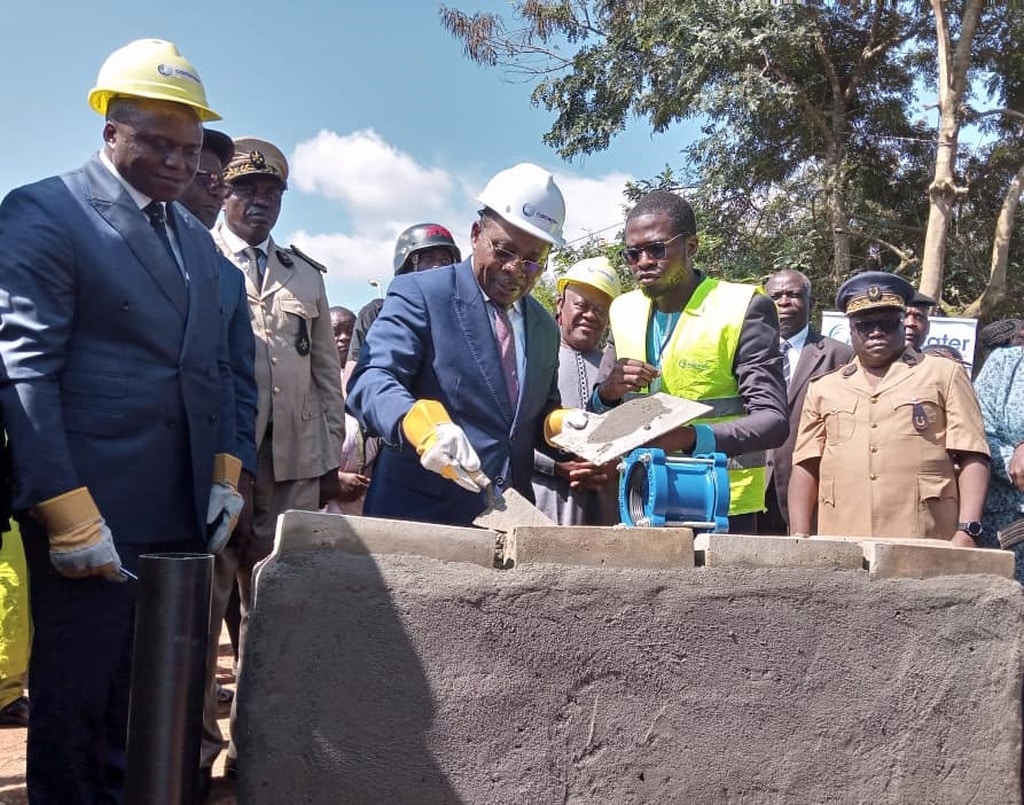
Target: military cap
{"x": 219, "y": 143}
{"x": 921, "y": 300}
{"x": 874, "y": 289}
{"x": 255, "y": 157}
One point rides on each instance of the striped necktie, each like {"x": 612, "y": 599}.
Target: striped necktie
{"x": 787, "y": 370}
{"x": 507, "y": 348}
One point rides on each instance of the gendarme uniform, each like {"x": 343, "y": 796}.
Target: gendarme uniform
{"x": 886, "y": 466}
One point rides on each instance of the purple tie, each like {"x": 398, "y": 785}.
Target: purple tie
{"x": 507, "y": 348}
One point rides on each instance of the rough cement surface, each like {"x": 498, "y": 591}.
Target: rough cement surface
{"x": 408, "y": 680}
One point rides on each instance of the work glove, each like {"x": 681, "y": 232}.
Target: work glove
{"x": 562, "y": 419}
{"x": 225, "y": 502}
{"x": 81, "y": 545}
{"x": 442, "y": 445}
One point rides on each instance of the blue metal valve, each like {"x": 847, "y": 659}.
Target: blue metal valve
{"x": 666, "y": 490}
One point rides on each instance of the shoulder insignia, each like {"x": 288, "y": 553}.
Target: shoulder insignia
{"x": 849, "y": 370}
{"x": 284, "y": 258}
{"x": 318, "y": 266}
{"x": 911, "y": 357}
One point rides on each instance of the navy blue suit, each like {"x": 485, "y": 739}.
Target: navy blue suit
{"x": 434, "y": 340}
{"x": 115, "y": 372}
{"x": 236, "y": 330}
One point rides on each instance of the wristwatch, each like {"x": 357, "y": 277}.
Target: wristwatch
{"x": 971, "y": 528}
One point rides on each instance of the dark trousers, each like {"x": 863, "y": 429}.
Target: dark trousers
{"x": 80, "y": 670}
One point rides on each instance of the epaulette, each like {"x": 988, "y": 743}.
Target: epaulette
{"x": 911, "y": 357}
{"x": 849, "y": 370}
{"x": 318, "y": 266}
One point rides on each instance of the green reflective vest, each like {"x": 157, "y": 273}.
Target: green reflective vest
{"x": 696, "y": 364}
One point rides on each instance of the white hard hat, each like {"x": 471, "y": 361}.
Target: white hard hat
{"x": 527, "y": 197}
{"x": 597, "y": 272}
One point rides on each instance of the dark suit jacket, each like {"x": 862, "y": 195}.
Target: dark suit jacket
{"x": 820, "y": 354}
{"x": 114, "y": 366}
{"x": 433, "y": 340}
{"x": 236, "y": 330}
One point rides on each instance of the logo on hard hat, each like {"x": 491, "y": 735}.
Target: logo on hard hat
{"x": 165, "y": 70}
{"x": 530, "y": 211}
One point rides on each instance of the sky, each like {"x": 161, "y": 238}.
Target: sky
{"x": 384, "y": 121}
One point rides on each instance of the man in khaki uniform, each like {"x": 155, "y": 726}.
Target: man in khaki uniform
{"x": 299, "y": 421}
{"x": 892, "y": 445}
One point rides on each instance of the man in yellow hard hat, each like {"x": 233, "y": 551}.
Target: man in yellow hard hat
{"x": 569, "y": 490}
{"x": 115, "y": 379}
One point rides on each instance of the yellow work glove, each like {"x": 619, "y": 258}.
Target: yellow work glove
{"x": 442, "y": 445}
{"x": 81, "y": 545}
{"x": 225, "y": 502}
{"x": 560, "y": 419}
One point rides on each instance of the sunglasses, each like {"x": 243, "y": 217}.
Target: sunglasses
{"x": 508, "y": 258}
{"x": 656, "y": 250}
{"x": 213, "y": 181}
{"x": 884, "y": 326}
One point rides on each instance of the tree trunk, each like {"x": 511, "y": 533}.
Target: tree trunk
{"x": 996, "y": 288}
{"x": 943, "y": 192}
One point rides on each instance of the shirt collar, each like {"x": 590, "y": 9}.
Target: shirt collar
{"x": 236, "y": 244}
{"x": 797, "y": 340}
{"x": 140, "y": 199}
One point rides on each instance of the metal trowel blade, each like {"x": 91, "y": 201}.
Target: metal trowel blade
{"x": 508, "y": 509}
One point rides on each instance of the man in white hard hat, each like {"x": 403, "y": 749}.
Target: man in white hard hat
{"x": 569, "y": 490}
{"x": 460, "y": 368}
{"x": 116, "y": 380}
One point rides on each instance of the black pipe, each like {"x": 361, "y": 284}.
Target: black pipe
{"x": 165, "y": 719}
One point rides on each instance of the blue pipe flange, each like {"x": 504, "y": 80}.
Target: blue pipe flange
{"x": 658, "y": 490}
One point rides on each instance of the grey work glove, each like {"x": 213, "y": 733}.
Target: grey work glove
{"x": 221, "y": 515}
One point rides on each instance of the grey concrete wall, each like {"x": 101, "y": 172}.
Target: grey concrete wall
{"x": 395, "y": 678}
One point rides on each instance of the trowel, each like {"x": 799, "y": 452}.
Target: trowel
{"x": 506, "y": 509}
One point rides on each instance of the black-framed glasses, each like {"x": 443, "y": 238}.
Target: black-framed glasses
{"x": 884, "y": 326}
{"x": 656, "y": 250}
{"x": 508, "y": 258}
{"x": 213, "y": 181}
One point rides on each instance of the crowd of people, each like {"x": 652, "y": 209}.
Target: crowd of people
{"x": 174, "y": 379}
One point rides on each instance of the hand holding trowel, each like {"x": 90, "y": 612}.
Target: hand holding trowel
{"x": 444, "y": 448}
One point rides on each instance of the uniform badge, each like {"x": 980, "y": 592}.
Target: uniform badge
{"x": 920, "y": 417}
{"x": 302, "y": 343}
{"x": 285, "y": 258}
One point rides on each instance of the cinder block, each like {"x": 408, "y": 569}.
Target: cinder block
{"x": 737, "y": 550}
{"x": 609, "y": 547}
{"x": 922, "y": 561}
{"x": 306, "y": 531}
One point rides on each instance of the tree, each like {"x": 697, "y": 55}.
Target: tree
{"x": 786, "y": 91}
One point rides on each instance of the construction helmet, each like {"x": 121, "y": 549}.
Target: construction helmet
{"x": 150, "y": 68}
{"x": 527, "y": 197}
{"x": 418, "y": 238}
{"x": 596, "y": 272}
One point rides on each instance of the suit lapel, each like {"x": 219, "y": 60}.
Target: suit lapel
{"x": 112, "y": 202}
{"x": 277, "y": 273}
{"x": 471, "y": 312}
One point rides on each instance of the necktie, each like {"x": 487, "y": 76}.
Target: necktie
{"x": 155, "y": 212}
{"x": 787, "y": 370}
{"x": 507, "y": 348}
{"x": 254, "y": 267}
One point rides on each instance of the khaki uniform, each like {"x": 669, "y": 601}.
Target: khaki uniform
{"x": 886, "y": 469}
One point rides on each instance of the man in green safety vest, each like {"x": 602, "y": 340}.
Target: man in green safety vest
{"x": 703, "y": 339}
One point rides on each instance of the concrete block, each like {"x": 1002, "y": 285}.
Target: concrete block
{"x": 908, "y": 560}
{"x": 738, "y": 550}
{"x": 398, "y": 678}
{"x": 610, "y": 547}
{"x": 911, "y": 557}
{"x": 307, "y": 531}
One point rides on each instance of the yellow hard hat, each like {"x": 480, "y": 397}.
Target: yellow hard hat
{"x": 596, "y": 272}
{"x": 150, "y": 68}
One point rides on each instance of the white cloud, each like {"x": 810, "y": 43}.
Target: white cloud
{"x": 371, "y": 178}
{"x": 382, "y": 190}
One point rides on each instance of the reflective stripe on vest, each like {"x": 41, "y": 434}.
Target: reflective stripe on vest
{"x": 697, "y": 364}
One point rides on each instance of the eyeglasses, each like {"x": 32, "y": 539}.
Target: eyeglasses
{"x": 247, "y": 191}
{"x": 884, "y": 326}
{"x": 213, "y": 180}
{"x": 508, "y": 258}
{"x": 656, "y": 250}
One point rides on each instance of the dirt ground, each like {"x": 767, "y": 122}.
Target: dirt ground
{"x": 12, "y": 747}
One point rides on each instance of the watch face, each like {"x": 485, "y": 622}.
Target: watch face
{"x": 972, "y": 528}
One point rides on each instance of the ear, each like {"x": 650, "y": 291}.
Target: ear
{"x": 691, "y": 246}
{"x": 109, "y": 132}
